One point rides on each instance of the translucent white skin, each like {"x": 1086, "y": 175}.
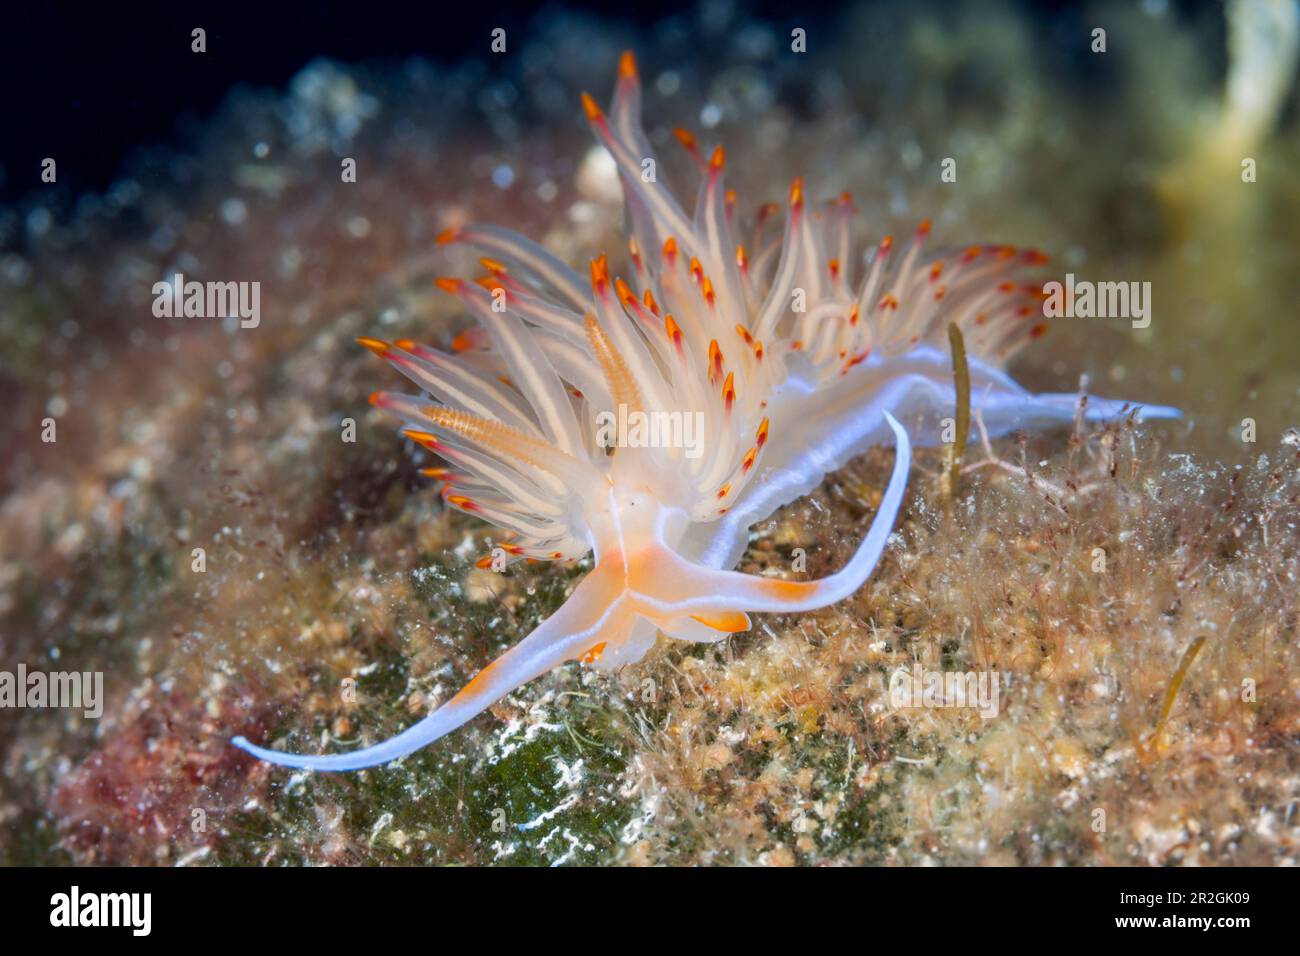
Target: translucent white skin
{"x": 817, "y": 430}
{"x": 834, "y": 381}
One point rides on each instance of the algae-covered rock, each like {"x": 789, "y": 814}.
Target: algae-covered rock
{"x": 222, "y": 526}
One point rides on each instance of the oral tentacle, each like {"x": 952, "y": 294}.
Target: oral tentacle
{"x": 594, "y": 618}
{"x": 707, "y": 594}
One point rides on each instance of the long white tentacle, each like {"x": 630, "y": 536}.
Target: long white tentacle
{"x": 594, "y": 613}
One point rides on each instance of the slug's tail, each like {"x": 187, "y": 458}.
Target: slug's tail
{"x": 1101, "y": 409}
{"x": 591, "y": 619}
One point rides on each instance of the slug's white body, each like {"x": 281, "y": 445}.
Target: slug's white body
{"x": 790, "y": 371}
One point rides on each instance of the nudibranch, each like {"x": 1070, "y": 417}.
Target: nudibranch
{"x": 788, "y": 369}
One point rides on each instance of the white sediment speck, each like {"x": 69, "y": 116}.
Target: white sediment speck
{"x": 598, "y": 176}
{"x": 565, "y": 804}
{"x": 668, "y": 82}
{"x": 233, "y": 211}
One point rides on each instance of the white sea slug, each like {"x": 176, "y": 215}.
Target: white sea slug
{"x": 786, "y": 368}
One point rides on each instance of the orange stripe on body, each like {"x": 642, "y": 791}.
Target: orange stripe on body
{"x": 732, "y": 622}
